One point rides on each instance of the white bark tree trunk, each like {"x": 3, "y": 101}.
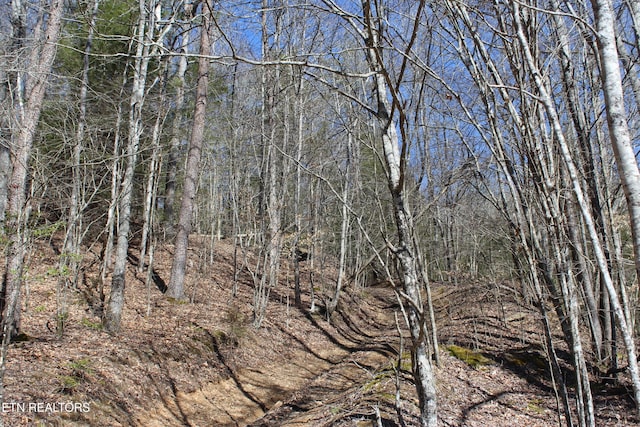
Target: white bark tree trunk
{"x": 115, "y": 305}
{"x": 406, "y": 251}
{"x": 572, "y": 172}
{"x": 617, "y": 117}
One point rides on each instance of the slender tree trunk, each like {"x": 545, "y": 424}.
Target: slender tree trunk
{"x": 74, "y": 229}
{"x": 5, "y": 139}
{"x": 270, "y": 201}
{"x": 344, "y": 227}
{"x": 152, "y": 183}
{"x": 70, "y": 259}
{"x": 572, "y": 172}
{"x": 5, "y": 172}
{"x": 176, "y": 283}
{"x": 617, "y": 118}
{"x": 116, "y": 179}
{"x": 405, "y": 251}
{"x": 297, "y": 291}
{"x": 113, "y": 312}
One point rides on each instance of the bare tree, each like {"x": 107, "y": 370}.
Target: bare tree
{"x": 144, "y": 31}
{"x": 344, "y": 224}
{"x": 550, "y": 108}
{"x": 395, "y": 159}
{"x": 617, "y": 116}
{"x": 176, "y": 130}
{"x": 30, "y": 86}
{"x": 176, "y": 283}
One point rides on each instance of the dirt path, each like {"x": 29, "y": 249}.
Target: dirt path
{"x": 246, "y": 395}
{"x": 312, "y": 376}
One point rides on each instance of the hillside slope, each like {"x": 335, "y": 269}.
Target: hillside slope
{"x": 203, "y": 364}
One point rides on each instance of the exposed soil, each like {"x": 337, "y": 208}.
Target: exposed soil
{"x": 203, "y": 364}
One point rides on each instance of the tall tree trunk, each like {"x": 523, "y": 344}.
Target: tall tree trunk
{"x": 573, "y": 175}
{"x": 5, "y": 171}
{"x": 6, "y": 106}
{"x": 395, "y": 161}
{"x": 270, "y": 201}
{"x": 176, "y": 283}
{"x": 113, "y": 202}
{"x": 617, "y": 117}
{"x": 5, "y": 135}
{"x": 71, "y": 258}
{"x": 40, "y": 62}
{"x": 115, "y": 305}
{"x": 74, "y": 232}
{"x": 174, "y": 145}
{"x": 152, "y": 180}
{"x": 344, "y": 227}
{"x": 297, "y": 207}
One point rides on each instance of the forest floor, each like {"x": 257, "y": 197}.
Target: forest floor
{"x": 202, "y": 363}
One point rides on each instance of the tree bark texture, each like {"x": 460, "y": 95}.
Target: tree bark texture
{"x": 176, "y": 283}
{"x": 405, "y": 251}
{"x": 40, "y": 62}
{"x": 617, "y": 117}
{"x": 36, "y": 76}
{"x": 113, "y": 312}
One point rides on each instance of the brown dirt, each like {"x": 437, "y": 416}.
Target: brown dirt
{"x": 203, "y": 364}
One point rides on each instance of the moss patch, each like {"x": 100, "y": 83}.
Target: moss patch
{"x": 470, "y": 357}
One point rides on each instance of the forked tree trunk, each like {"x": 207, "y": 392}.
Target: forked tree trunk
{"x": 406, "y": 252}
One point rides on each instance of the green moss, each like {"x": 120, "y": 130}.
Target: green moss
{"x": 97, "y": 326}
{"x": 80, "y": 369}
{"x": 81, "y": 366}
{"x": 470, "y": 357}
{"x": 68, "y": 383}
{"x": 407, "y": 362}
{"x": 376, "y": 380}
{"x": 534, "y": 405}
{"x": 178, "y": 301}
